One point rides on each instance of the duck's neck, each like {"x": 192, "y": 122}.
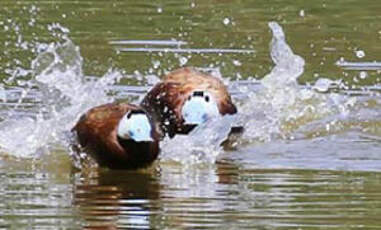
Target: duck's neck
{"x": 139, "y": 153}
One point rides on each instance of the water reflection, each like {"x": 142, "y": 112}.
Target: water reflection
{"x": 111, "y": 199}
{"x": 228, "y": 196}
{"x": 156, "y": 199}
{"x": 244, "y": 198}
{"x": 170, "y": 196}
{"x": 34, "y": 197}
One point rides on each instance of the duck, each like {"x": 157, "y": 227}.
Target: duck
{"x": 186, "y": 98}
{"x": 118, "y": 136}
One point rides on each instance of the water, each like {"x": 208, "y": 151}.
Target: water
{"x": 310, "y": 154}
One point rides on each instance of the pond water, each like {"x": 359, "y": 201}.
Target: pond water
{"x": 310, "y": 103}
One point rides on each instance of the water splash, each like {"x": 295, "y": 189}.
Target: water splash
{"x": 279, "y": 110}
{"x": 202, "y": 145}
{"x": 282, "y": 105}
{"x": 256, "y": 114}
{"x": 325, "y": 84}
{"x": 288, "y": 66}
{"x": 3, "y": 96}
{"x": 63, "y": 95}
{"x": 46, "y": 106}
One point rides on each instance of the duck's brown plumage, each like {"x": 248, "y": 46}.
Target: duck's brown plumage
{"x": 166, "y": 99}
{"x": 97, "y": 135}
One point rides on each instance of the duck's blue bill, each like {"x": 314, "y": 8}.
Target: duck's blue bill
{"x": 195, "y": 111}
{"x": 137, "y": 127}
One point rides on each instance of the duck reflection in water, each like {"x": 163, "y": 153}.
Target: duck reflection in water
{"x": 114, "y": 199}
{"x": 120, "y": 199}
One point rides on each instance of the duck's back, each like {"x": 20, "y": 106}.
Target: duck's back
{"x": 97, "y": 133}
{"x": 100, "y": 123}
{"x": 190, "y": 78}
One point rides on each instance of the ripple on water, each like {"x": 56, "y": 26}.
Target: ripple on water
{"x": 229, "y": 196}
{"x": 30, "y": 200}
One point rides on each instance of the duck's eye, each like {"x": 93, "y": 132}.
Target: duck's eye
{"x": 198, "y": 93}
{"x": 207, "y": 98}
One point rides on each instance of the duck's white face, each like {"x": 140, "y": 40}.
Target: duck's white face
{"x": 200, "y": 107}
{"x": 135, "y": 126}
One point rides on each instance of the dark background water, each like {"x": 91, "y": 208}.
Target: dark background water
{"x": 261, "y": 187}
{"x": 322, "y": 32}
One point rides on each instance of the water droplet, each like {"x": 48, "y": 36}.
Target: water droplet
{"x": 152, "y": 79}
{"x": 226, "y": 21}
{"x": 360, "y": 53}
{"x": 237, "y": 63}
{"x": 323, "y": 84}
{"x": 156, "y": 64}
{"x": 183, "y": 61}
{"x": 301, "y": 13}
{"x": 363, "y": 75}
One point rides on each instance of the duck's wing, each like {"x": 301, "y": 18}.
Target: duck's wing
{"x": 97, "y": 129}
{"x": 163, "y": 103}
